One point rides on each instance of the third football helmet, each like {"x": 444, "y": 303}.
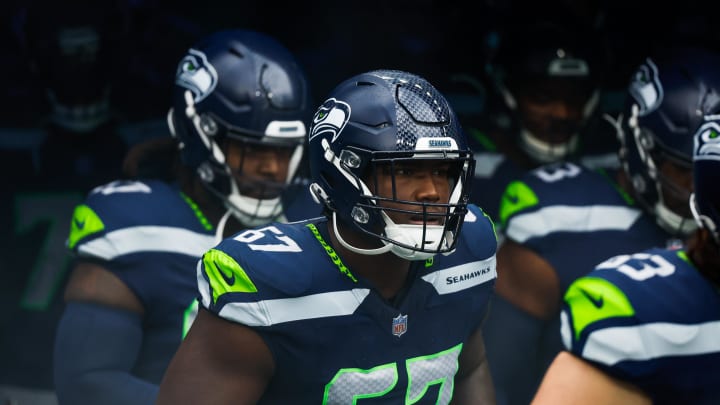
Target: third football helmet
{"x": 246, "y": 86}
{"x": 669, "y": 97}
{"x": 388, "y": 117}
{"x": 553, "y": 69}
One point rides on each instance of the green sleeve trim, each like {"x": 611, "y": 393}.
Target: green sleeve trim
{"x": 517, "y": 197}
{"x": 594, "y": 299}
{"x": 684, "y": 257}
{"x": 225, "y": 274}
{"x": 84, "y": 222}
{"x": 491, "y": 223}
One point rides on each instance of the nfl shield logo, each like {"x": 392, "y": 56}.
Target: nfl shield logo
{"x": 399, "y": 325}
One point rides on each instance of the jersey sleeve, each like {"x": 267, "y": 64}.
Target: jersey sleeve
{"x": 633, "y": 315}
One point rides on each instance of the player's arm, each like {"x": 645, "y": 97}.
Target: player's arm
{"x": 473, "y": 383}
{"x": 527, "y": 293}
{"x": 219, "y": 362}
{"x": 97, "y": 341}
{"x": 571, "y": 380}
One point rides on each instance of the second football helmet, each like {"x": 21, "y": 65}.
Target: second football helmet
{"x": 388, "y": 117}
{"x": 246, "y": 86}
{"x": 669, "y": 97}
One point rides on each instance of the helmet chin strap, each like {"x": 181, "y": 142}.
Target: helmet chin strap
{"x": 703, "y": 221}
{"x": 347, "y": 245}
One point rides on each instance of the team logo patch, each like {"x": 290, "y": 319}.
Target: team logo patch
{"x": 707, "y": 141}
{"x": 330, "y": 117}
{"x": 399, "y": 325}
{"x": 196, "y": 74}
{"x": 646, "y": 88}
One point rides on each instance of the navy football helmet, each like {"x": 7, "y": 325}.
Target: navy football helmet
{"x": 669, "y": 97}
{"x": 388, "y": 117}
{"x": 705, "y": 201}
{"x": 545, "y": 62}
{"x": 246, "y": 86}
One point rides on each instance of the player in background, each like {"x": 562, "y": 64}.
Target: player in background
{"x": 560, "y": 220}
{"x": 241, "y": 106}
{"x": 78, "y": 93}
{"x": 642, "y": 328}
{"x": 383, "y": 298}
{"x": 542, "y": 84}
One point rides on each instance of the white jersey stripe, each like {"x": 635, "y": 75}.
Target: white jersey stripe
{"x": 650, "y": 341}
{"x": 272, "y": 312}
{"x": 565, "y": 218}
{"x": 147, "y": 239}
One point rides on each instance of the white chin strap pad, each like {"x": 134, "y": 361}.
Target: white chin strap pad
{"x": 253, "y": 212}
{"x": 545, "y": 152}
{"x": 412, "y": 235}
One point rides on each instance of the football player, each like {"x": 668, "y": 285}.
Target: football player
{"x": 382, "y": 298}
{"x": 642, "y": 327}
{"x": 563, "y": 219}
{"x": 241, "y": 107}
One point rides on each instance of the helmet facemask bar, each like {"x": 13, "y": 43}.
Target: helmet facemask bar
{"x": 440, "y": 221}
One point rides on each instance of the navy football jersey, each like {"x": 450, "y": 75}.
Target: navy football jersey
{"x": 650, "y": 319}
{"x": 333, "y": 337}
{"x": 495, "y": 170}
{"x": 150, "y": 236}
{"x": 574, "y": 218}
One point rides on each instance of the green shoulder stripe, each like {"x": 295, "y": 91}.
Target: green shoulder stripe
{"x": 225, "y": 274}
{"x": 594, "y": 299}
{"x": 517, "y": 197}
{"x": 84, "y": 222}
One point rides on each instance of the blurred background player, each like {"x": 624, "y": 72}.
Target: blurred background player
{"x": 356, "y": 304}
{"x": 77, "y": 93}
{"x": 560, "y": 220}
{"x": 543, "y": 86}
{"x": 239, "y": 116}
{"x": 642, "y": 328}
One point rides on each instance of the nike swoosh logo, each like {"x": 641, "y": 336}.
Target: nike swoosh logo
{"x": 79, "y": 224}
{"x": 512, "y": 198}
{"x": 229, "y": 279}
{"x": 597, "y": 302}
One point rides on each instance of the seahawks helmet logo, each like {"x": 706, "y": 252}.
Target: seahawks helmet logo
{"x": 196, "y": 74}
{"x": 646, "y": 88}
{"x": 330, "y": 117}
{"x": 707, "y": 141}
